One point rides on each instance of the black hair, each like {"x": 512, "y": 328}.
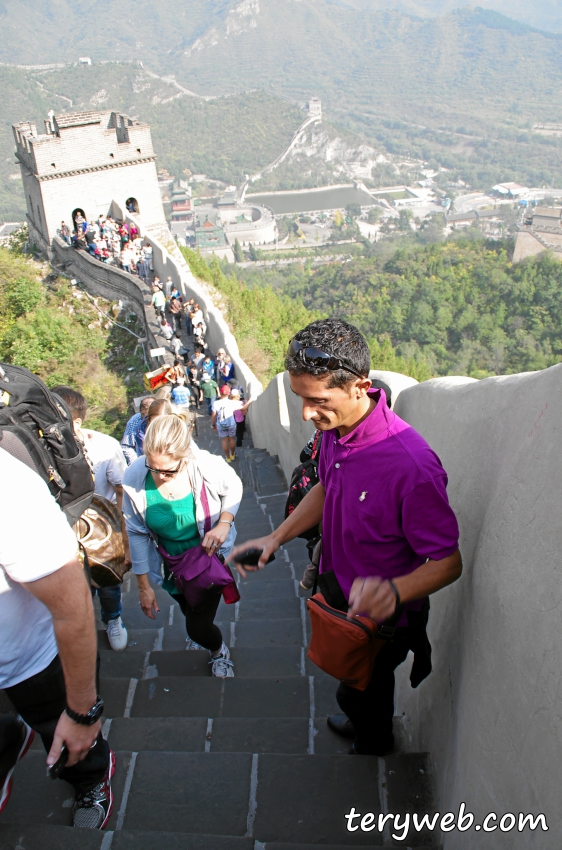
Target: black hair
{"x": 76, "y": 402}
{"x": 338, "y": 338}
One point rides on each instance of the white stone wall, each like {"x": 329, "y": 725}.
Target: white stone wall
{"x": 490, "y": 713}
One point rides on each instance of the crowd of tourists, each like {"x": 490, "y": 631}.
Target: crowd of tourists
{"x": 110, "y": 241}
{"x": 384, "y": 549}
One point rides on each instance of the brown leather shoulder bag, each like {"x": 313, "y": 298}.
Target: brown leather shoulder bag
{"x": 101, "y": 542}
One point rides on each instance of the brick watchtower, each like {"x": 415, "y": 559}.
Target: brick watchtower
{"x": 83, "y": 162}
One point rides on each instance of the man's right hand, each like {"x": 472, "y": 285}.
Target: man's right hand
{"x": 268, "y": 544}
{"x": 78, "y": 739}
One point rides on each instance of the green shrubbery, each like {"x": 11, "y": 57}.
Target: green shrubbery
{"x": 264, "y": 321}
{"x": 459, "y": 307}
{"x": 52, "y": 329}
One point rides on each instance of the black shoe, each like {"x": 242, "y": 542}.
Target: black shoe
{"x": 21, "y": 738}
{"x": 381, "y": 751}
{"x": 341, "y": 724}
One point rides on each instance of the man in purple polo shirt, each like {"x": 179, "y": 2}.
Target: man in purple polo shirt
{"x": 390, "y": 537}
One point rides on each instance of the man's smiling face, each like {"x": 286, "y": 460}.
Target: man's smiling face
{"x": 329, "y": 407}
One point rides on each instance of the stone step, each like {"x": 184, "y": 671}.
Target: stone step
{"x": 180, "y": 696}
{"x": 252, "y": 662}
{"x": 16, "y": 837}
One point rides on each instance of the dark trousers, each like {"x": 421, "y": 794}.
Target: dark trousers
{"x": 40, "y": 700}
{"x": 200, "y": 624}
{"x": 240, "y": 431}
{"x": 371, "y": 711}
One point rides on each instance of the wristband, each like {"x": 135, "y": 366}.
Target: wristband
{"x": 92, "y": 716}
{"x": 395, "y": 591}
{"x": 228, "y": 521}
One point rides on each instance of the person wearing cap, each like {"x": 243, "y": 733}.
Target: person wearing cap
{"x": 210, "y": 390}
{"x": 180, "y": 394}
{"x": 224, "y": 423}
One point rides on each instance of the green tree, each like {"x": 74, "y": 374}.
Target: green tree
{"x": 238, "y": 253}
{"x": 353, "y": 210}
{"x": 405, "y": 219}
{"x": 253, "y": 253}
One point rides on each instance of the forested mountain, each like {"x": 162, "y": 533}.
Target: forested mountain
{"x": 460, "y": 306}
{"x": 60, "y": 30}
{"x": 462, "y": 90}
{"x": 223, "y": 137}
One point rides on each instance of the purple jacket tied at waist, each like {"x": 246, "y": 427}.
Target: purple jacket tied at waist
{"x": 386, "y": 509}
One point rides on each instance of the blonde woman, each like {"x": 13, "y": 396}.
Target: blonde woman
{"x": 164, "y": 504}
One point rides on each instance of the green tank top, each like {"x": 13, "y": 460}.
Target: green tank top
{"x": 173, "y": 522}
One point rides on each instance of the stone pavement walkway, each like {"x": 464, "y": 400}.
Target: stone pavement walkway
{"x": 240, "y": 764}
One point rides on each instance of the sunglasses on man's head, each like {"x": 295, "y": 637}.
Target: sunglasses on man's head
{"x": 313, "y": 356}
{"x": 166, "y": 473}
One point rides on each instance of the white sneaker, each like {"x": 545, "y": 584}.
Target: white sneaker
{"x": 117, "y": 634}
{"x": 190, "y": 644}
{"x": 222, "y": 665}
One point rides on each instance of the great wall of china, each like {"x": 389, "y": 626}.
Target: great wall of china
{"x": 489, "y": 714}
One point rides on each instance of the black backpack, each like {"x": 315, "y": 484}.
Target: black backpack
{"x": 36, "y": 428}
{"x": 303, "y": 479}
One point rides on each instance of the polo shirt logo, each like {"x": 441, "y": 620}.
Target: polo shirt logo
{"x": 362, "y": 496}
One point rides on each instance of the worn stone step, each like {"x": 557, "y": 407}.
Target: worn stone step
{"x": 48, "y": 837}
{"x": 38, "y": 801}
{"x": 255, "y": 588}
{"x": 182, "y": 696}
{"x": 204, "y": 793}
{"x": 304, "y": 798}
{"x": 283, "y": 632}
{"x": 282, "y": 845}
{"x": 249, "y": 662}
{"x": 128, "y": 839}
{"x": 270, "y": 608}
{"x": 202, "y": 734}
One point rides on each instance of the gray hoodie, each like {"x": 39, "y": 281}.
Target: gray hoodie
{"x": 224, "y": 493}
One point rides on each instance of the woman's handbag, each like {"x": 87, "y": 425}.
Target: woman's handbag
{"x": 101, "y": 542}
{"x": 197, "y": 574}
{"x": 346, "y": 649}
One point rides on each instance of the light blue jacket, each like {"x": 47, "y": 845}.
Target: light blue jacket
{"x": 224, "y": 493}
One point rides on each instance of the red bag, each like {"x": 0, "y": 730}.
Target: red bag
{"x": 345, "y": 649}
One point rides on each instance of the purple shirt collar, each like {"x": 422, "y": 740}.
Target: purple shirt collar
{"x": 374, "y": 427}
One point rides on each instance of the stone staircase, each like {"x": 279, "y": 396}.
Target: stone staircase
{"x": 242, "y": 764}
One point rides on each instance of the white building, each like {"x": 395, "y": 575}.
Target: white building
{"x": 315, "y": 106}
{"x": 81, "y": 163}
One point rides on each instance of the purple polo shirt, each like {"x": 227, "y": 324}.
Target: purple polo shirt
{"x": 386, "y": 510}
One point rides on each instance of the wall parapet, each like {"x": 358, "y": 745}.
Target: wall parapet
{"x": 489, "y": 713}
{"x": 108, "y": 282}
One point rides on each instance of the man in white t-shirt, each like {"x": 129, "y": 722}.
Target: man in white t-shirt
{"x": 48, "y": 645}
{"x": 108, "y": 461}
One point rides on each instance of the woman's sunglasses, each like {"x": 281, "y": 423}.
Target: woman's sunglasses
{"x": 316, "y": 357}
{"x": 165, "y": 473}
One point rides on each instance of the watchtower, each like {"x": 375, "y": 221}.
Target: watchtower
{"x": 81, "y": 164}
{"x": 315, "y": 107}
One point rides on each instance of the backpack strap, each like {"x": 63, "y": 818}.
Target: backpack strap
{"x": 317, "y": 438}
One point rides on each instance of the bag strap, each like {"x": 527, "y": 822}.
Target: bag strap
{"x": 205, "y": 501}
{"x": 314, "y": 450}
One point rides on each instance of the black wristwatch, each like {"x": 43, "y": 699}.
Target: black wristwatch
{"x": 91, "y": 717}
